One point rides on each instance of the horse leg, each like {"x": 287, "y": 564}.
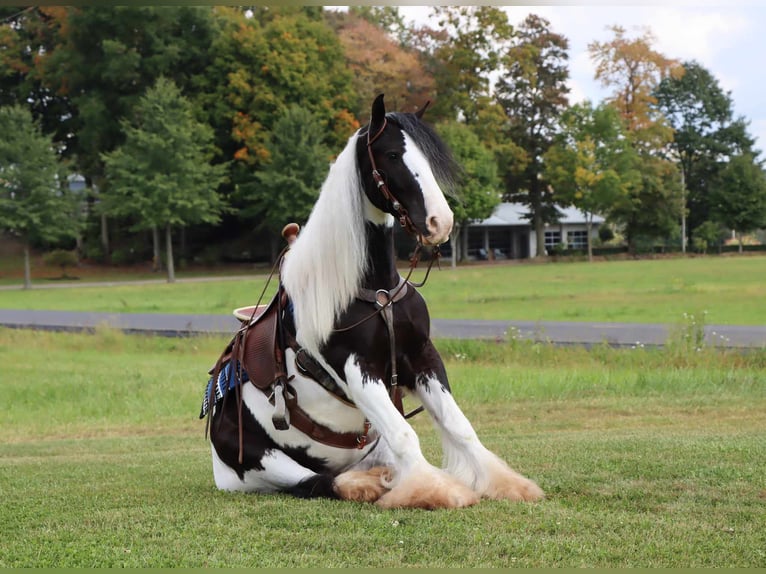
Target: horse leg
{"x": 267, "y": 467}
{"x": 414, "y": 482}
{"x": 465, "y": 457}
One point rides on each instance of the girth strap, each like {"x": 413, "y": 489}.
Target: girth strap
{"x": 320, "y": 433}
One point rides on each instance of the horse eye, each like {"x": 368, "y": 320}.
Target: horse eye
{"x": 393, "y": 156}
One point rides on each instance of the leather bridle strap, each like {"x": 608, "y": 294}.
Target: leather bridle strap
{"x": 404, "y": 217}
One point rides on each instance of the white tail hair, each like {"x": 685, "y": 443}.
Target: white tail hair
{"x": 324, "y": 267}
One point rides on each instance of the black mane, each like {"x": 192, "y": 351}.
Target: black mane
{"x": 443, "y": 164}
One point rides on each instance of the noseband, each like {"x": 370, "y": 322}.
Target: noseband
{"x": 404, "y": 217}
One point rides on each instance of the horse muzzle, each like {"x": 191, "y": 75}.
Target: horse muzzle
{"x": 438, "y": 229}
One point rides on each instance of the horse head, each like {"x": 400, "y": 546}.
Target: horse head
{"x": 404, "y": 165}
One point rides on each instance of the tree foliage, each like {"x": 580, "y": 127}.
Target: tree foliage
{"x": 461, "y": 54}
{"x": 591, "y": 164}
{"x": 162, "y": 175}
{"x": 109, "y": 56}
{"x": 533, "y": 94}
{"x": 381, "y": 65}
{"x": 632, "y": 68}
{"x": 480, "y": 186}
{"x": 705, "y": 133}
{"x": 286, "y": 189}
{"x": 36, "y": 205}
{"x": 739, "y": 195}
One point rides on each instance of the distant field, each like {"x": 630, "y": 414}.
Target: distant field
{"x": 648, "y": 458}
{"x": 730, "y": 289}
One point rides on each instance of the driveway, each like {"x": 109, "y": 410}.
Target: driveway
{"x": 557, "y": 332}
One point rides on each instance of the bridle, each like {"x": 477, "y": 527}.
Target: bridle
{"x": 401, "y": 212}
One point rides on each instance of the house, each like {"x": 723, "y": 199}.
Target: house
{"x": 507, "y": 234}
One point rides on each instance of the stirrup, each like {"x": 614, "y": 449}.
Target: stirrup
{"x": 281, "y": 417}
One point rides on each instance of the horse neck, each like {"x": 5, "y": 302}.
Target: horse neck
{"x": 381, "y": 270}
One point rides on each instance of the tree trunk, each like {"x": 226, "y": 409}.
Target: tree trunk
{"x": 539, "y": 234}
{"x": 156, "y": 257}
{"x": 739, "y": 236}
{"x": 27, "y": 268}
{"x": 105, "y": 237}
{"x": 589, "y": 227}
{"x": 455, "y": 242}
{"x": 169, "y": 247}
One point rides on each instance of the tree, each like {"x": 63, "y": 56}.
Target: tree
{"x": 162, "y": 175}
{"x": 35, "y": 202}
{"x": 633, "y": 69}
{"x": 591, "y": 165}
{"x": 461, "y": 54}
{"x": 480, "y": 186}
{"x": 282, "y": 56}
{"x": 379, "y": 64}
{"x": 705, "y": 133}
{"x": 107, "y": 58}
{"x": 739, "y": 196}
{"x": 533, "y": 93}
{"x": 26, "y": 35}
{"x": 287, "y": 187}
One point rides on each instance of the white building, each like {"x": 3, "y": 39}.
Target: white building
{"x": 507, "y": 234}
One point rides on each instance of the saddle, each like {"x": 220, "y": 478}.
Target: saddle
{"x": 256, "y": 353}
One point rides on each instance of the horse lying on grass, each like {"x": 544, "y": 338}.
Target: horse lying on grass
{"x": 317, "y": 376}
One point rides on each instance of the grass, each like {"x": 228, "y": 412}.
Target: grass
{"x": 644, "y": 291}
{"x": 648, "y": 458}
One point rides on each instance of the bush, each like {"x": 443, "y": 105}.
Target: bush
{"x": 605, "y": 233}
{"x": 62, "y": 258}
{"x": 706, "y": 236}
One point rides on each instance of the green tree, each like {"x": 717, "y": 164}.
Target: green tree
{"x": 287, "y": 187}
{"x": 533, "y": 92}
{"x": 162, "y": 175}
{"x": 281, "y": 56}
{"x": 739, "y": 196}
{"x": 591, "y": 165}
{"x": 108, "y": 57}
{"x": 35, "y": 202}
{"x": 632, "y": 68}
{"x": 480, "y": 186}
{"x": 461, "y": 54}
{"x": 705, "y": 133}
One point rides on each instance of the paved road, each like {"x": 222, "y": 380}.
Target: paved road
{"x": 564, "y": 333}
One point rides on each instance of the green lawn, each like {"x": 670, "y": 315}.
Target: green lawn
{"x": 730, "y": 289}
{"x": 648, "y": 458}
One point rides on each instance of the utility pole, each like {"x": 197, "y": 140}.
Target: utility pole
{"x": 683, "y": 211}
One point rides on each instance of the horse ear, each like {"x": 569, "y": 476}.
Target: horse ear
{"x": 378, "y": 115}
{"x": 422, "y": 110}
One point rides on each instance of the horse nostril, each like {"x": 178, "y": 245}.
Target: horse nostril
{"x": 433, "y": 223}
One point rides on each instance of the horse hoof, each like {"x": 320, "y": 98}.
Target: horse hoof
{"x": 507, "y": 484}
{"x": 362, "y": 485}
{"x": 429, "y": 492}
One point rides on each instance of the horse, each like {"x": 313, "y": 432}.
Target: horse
{"x": 353, "y": 336}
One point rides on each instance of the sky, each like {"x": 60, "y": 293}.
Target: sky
{"x": 729, "y": 40}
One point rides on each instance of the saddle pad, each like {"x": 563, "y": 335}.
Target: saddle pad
{"x": 227, "y": 380}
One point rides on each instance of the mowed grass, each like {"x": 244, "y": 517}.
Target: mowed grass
{"x": 729, "y": 288}
{"x": 648, "y": 458}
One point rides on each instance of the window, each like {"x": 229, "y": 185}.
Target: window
{"x": 552, "y": 239}
{"x": 577, "y": 239}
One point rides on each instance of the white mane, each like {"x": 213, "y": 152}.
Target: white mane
{"x": 324, "y": 267}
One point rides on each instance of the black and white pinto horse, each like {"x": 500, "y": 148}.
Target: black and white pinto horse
{"x": 390, "y": 170}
